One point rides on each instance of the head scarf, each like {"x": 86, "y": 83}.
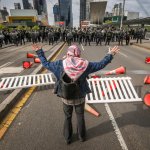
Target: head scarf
{"x": 74, "y": 66}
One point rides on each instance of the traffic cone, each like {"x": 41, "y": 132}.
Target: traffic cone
{"x": 120, "y": 70}
{"x": 147, "y": 80}
{"x": 27, "y": 64}
{"x": 37, "y": 60}
{"x": 94, "y": 76}
{"x": 147, "y": 99}
{"x": 147, "y": 60}
{"x": 111, "y": 88}
{"x": 91, "y": 110}
{"x": 29, "y": 55}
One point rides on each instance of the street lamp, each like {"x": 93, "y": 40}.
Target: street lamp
{"x": 122, "y": 16}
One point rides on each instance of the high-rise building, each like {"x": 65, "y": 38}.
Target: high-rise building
{"x": 56, "y": 13}
{"x": 40, "y": 6}
{"x": 97, "y": 12}
{"x": 88, "y": 9}
{"x": 3, "y": 14}
{"x": 17, "y": 5}
{"x": 82, "y": 10}
{"x": 117, "y": 10}
{"x": 65, "y": 7}
{"x": 26, "y": 4}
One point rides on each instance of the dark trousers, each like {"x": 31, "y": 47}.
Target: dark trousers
{"x": 79, "y": 109}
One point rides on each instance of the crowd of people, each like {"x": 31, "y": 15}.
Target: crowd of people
{"x": 99, "y": 35}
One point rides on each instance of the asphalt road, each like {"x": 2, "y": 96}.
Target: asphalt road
{"x": 11, "y": 62}
{"x": 121, "y": 125}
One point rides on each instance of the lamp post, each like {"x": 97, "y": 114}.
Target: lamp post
{"x": 122, "y": 16}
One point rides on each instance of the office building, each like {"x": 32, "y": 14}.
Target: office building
{"x": 40, "y": 6}
{"x": 56, "y": 13}
{"x": 17, "y": 5}
{"x": 26, "y": 4}
{"x": 82, "y": 10}
{"x": 3, "y": 14}
{"x": 97, "y": 12}
{"x": 117, "y": 10}
{"x": 65, "y": 11}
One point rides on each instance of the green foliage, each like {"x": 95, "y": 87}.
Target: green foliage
{"x": 27, "y": 28}
{"x": 20, "y": 27}
{"x": 108, "y": 22}
{"x": 2, "y": 27}
{"x": 148, "y": 28}
{"x": 10, "y": 29}
{"x": 36, "y": 28}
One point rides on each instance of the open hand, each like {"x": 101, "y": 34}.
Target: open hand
{"x": 36, "y": 47}
{"x": 114, "y": 50}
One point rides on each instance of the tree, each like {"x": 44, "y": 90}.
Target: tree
{"x": 36, "y": 28}
{"x": 2, "y": 27}
{"x": 20, "y": 27}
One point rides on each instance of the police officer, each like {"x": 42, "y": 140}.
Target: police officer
{"x": 121, "y": 37}
{"x": 108, "y": 37}
{"x": 87, "y": 37}
{"x": 51, "y": 37}
{"x": 98, "y": 36}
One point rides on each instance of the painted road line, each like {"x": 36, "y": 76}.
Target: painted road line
{"x": 136, "y": 72}
{"x": 116, "y": 128}
{"x": 14, "y": 111}
{"x": 82, "y": 47}
{"x": 8, "y": 63}
{"x": 122, "y": 54}
{"x": 11, "y": 70}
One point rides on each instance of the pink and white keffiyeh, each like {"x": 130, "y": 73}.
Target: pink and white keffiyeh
{"x": 74, "y": 66}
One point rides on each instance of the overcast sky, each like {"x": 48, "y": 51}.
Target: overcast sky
{"x": 141, "y": 6}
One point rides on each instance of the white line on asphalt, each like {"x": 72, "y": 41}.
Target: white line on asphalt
{"x": 123, "y": 54}
{"x": 11, "y": 70}
{"x": 116, "y": 128}
{"x": 82, "y": 47}
{"x": 6, "y": 64}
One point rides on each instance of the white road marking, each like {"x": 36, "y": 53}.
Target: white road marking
{"x": 116, "y": 128}
{"x": 11, "y": 70}
{"x": 122, "y": 54}
{"x": 142, "y": 72}
{"x": 82, "y": 47}
{"x": 6, "y": 64}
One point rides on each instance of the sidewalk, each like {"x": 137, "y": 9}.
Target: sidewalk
{"x": 145, "y": 44}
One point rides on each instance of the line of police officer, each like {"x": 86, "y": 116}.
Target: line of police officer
{"x": 85, "y": 35}
{"x": 103, "y": 35}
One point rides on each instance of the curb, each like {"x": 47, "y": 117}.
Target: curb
{"x": 148, "y": 48}
{"x": 13, "y": 98}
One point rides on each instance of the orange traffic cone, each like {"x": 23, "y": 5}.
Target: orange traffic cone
{"x": 147, "y": 80}
{"x": 29, "y": 55}
{"x": 91, "y": 110}
{"x": 111, "y": 88}
{"x": 120, "y": 70}
{"x": 27, "y": 64}
{"x": 147, "y": 60}
{"x": 95, "y": 76}
{"x": 147, "y": 99}
{"x": 37, "y": 60}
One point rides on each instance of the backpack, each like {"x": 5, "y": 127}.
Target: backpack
{"x": 67, "y": 88}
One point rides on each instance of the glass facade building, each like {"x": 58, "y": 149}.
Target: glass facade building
{"x": 82, "y": 10}
{"x": 65, "y": 11}
{"x": 40, "y": 6}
